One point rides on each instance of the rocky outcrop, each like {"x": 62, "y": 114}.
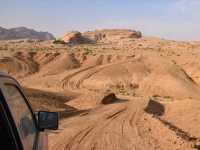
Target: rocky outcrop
{"x": 23, "y": 33}
{"x": 72, "y": 37}
{"x": 112, "y": 34}
{"x": 109, "y": 98}
{"x": 75, "y": 37}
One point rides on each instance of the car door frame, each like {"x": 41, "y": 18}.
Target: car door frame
{"x": 11, "y": 81}
{"x": 8, "y": 122}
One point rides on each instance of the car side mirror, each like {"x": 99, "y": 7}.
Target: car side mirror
{"x": 47, "y": 120}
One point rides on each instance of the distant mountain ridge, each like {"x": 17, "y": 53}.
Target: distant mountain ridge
{"x": 23, "y": 33}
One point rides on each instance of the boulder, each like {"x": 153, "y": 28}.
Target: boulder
{"x": 109, "y": 98}
{"x": 72, "y": 37}
{"x": 75, "y": 37}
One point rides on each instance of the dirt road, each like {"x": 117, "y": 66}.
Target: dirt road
{"x": 120, "y": 126}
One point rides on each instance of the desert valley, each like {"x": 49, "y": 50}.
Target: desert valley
{"x": 114, "y": 89}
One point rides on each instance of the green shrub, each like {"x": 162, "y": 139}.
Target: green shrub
{"x": 156, "y": 95}
{"x": 87, "y": 51}
{"x": 168, "y": 97}
{"x": 58, "y": 41}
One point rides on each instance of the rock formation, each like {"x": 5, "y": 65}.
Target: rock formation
{"x": 23, "y": 33}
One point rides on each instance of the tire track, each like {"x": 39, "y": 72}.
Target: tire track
{"x": 67, "y": 82}
{"x": 91, "y": 132}
{"x": 117, "y": 121}
{"x": 181, "y": 133}
{"x": 119, "y": 127}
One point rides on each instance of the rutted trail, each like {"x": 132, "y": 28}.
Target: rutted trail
{"x": 66, "y": 83}
{"x": 117, "y": 126}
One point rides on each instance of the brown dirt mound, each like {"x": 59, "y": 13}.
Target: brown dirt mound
{"x": 20, "y": 65}
{"x": 44, "y": 58}
{"x": 90, "y": 100}
{"x": 152, "y": 75}
{"x": 60, "y": 64}
{"x": 50, "y": 101}
{"x": 94, "y": 60}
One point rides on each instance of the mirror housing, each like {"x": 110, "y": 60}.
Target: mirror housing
{"x": 47, "y": 120}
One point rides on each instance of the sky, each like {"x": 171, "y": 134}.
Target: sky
{"x": 169, "y": 19}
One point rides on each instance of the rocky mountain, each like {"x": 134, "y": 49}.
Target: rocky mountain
{"x": 23, "y": 33}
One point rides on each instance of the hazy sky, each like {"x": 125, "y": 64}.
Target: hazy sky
{"x": 171, "y": 19}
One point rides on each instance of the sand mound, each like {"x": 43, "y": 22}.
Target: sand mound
{"x": 147, "y": 75}
{"x": 50, "y": 101}
{"x": 93, "y": 99}
{"x": 84, "y": 101}
{"x": 117, "y": 75}
{"x": 20, "y": 65}
{"x": 60, "y": 64}
{"x": 95, "y": 60}
{"x": 167, "y": 79}
{"x": 44, "y": 58}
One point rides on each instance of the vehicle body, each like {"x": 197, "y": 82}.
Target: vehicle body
{"x": 20, "y": 127}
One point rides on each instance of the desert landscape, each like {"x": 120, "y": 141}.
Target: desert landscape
{"x": 114, "y": 89}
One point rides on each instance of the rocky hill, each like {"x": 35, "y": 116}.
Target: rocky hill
{"x": 112, "y": 34}
{"x": 108, "y": 35}
{"x": 75, "y": 37}
{"x": 23, "y": 33}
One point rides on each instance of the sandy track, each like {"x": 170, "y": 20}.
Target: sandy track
{"x": 67, "y": 83}
{"x": 75, "y": 79}
{"x": 118, "y": 126}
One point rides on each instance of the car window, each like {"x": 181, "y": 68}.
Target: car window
{"x": 22, "y": 116}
